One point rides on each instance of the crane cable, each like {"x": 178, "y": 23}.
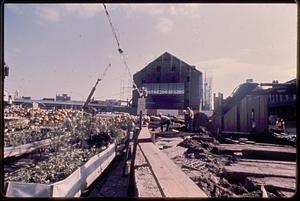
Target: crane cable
{"x": 119, "y": 48}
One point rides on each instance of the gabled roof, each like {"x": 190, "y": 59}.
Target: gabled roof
{"x": 168, "y": 54}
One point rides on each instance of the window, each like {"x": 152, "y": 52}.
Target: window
{"x": 157, "y": 79}
{"x": 173, "y": 68}
{"x": 158, "y": 68}
{"x": 143, "y": 81}
{"x": 188, "y": 78}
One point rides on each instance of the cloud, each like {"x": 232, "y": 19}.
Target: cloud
{"x": 188, "y": 10}
{"x": 48, "y": 12}
{"x": 83, "y": 10}
{"x": 55, "y": 13}
{"x": 150, "y": 9}
{"x": 164, "y": 25}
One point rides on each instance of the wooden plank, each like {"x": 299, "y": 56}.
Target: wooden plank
{"x": 144, "y": 134}
{"x": 269, "y": 144}
{"x": 287, "y": 193}
{"x": 146, "y": 185}
{"x": 175, "y": 134}
{"x": 258, "y": 146}
{"x": 292, "y": 163}
{"x": 172, "y": 181}
{"x": 272, "y": 154}
{"x": 259, "y": 151}
{"x": 235, "y": 132}
{"x": 238, "y": 172}
{"x": 272, "y": 183}
{"x": 267, "y": 165}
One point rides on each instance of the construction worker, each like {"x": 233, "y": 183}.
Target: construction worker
{"x": 190, "y": 118}
{"x": 186, "y": 118}
{"x": 280, "y": 125}
{"x": 164, "y": 120}
{"x": 253, "y": 124}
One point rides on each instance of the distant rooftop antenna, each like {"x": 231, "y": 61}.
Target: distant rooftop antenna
{"x": 207, "y": 92}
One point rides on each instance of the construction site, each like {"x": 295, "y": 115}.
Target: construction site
{"x": 168, "y": 136}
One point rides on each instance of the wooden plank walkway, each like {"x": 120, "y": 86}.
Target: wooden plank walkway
{"x": 259, "y": 151}
{"x": 171, "y": 180}
{"x": 241, "y": 170}
{"x": 273, "y": 183}
{"x": 230, "y": 148}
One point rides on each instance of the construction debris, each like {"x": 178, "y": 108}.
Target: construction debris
{"x": 222, "y": 170}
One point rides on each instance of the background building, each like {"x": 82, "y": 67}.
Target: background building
{"x": 252, "y": 109}
{"x": 63, "y": 97}
{"x": 172, "y": 85}
{"x": 282, "y": 101}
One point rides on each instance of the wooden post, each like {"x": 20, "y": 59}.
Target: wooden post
{"x": 264, "y": 192}
{"x": 141, "y": 113}
{"x": 131, "y": 185}
{"x": 128, "y": 154}
{"x": 153, "y": 138}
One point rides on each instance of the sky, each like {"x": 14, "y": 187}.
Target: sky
{"x": 63, "y": 48}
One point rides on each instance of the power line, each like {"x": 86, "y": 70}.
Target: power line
{"x": 121, "y": 52}
{"x": 113, "y": 29}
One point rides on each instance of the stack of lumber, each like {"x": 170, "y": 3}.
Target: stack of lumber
{"x": 259, "y": 151}
{"x": 270, "y": 166}
{"x": 260, "y": 168}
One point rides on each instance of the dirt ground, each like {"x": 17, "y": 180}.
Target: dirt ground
{"x": 113, "y": 184}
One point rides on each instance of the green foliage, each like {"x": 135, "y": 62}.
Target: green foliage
{"x": 74, "y": 140}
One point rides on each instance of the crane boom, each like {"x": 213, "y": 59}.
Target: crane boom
{"x": 88, "y": 100}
